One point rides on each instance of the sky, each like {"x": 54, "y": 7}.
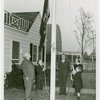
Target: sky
{"x": 66, "y": 10}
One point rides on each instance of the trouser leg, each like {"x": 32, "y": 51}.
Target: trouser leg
{"x": 78, "y": 96}
{"x": 60, "y": 84}
{"x": 28, "y": 88}
{"x": 77, "y": 90}
{"x": 64, "y": 84}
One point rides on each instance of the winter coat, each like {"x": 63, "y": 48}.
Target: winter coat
{"x": 28, "y": 69}
{"x": 77, "y": 83}
{"x": 64, "y": 68}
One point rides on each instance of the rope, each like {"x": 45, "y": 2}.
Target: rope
{"x": 69, "y": 92}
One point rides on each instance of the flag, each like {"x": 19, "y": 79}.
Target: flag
{"x": 45, "y": 17}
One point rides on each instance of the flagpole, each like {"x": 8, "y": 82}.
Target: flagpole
{"x": 53, "y": 52}
{"x": 45, "y": 51}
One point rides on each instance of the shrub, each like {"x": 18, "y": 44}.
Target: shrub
{"x": 14, "y": 78}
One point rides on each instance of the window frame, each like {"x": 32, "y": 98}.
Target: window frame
{"x": 15, "y": 60}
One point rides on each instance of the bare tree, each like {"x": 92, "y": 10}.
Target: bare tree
{"x": 84, "y": 28}
{"x": 92, "y": 36}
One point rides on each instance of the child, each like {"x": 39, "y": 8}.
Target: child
{"x": 77, "y": 80}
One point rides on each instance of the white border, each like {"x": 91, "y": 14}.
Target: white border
{"x": 1, "y": 50}
{"x": 98, "y": 53}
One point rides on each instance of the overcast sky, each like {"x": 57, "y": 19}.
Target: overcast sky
{"x": 66, "y": 10}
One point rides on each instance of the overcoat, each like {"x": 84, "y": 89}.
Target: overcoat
{"x": 63, "y": 71}
{"x": 28, "y": 69}
{"x": 77, "y": 81}
{"x": 28, "y": 76}
{"x": 39, "y": 77}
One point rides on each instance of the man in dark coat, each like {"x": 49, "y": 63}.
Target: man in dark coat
{"x": 28, "y": 75}
{"x": 64, "y": 68}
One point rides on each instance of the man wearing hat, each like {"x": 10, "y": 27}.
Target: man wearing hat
{"x": 28, "y": 75}
{"x": 64, "y": 68}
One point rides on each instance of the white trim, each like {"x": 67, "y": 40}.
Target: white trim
{"x": 10, "y": 62}
{"x": 20, "y": 53}
{"x": 15, "y": 59}
{"x": 16, "y": 29}
{"x": 1, "y": 50}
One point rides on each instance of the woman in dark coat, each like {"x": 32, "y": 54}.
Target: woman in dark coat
{"x": 77, "y": 84}
{"x": 39, "y": 77}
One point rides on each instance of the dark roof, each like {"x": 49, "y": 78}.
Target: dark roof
{"x": 58, "y": 38}
{"x": 29, "y": 16}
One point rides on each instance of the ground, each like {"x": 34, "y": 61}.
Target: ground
{"x": 18, "y": 94}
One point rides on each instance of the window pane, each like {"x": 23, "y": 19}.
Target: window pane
{"x": 31, "y": 49}
{"x": 39, "y": 53}
{"x": 34, "y": 53}
{"x": 15, "y": 50}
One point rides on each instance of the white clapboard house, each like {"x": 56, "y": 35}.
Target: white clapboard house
{"x": 21, "y": 34}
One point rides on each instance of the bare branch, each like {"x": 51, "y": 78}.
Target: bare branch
{"x": 77, "y": 37}
{"x": 84, "y": 28}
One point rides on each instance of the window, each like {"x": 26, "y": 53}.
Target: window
{"x": 34, "y": 53}
{"x": 39, "y": 53}
{"x": 31, "y": 52}
{"x": 15, "y": 52}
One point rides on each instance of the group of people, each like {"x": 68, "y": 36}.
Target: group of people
{"x": 75, "y": 75}
{"x": 34, "y": 74}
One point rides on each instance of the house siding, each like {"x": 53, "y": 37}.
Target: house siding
{"x": 23, "y": 38}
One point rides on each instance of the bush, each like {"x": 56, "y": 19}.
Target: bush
{"x": 14, "y": 78}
